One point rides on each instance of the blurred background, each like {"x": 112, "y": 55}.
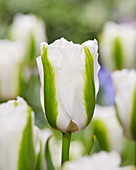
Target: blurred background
{"x": 26, "y": 23}
{"x": 75, "y": 20}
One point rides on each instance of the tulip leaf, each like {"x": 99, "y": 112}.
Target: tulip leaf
{"x": 89, "y": 87}
{"x": 117, "y": 53}
{"x": 133, "y": 116}
{"x": 100, "y": 132}
{"x": 38, "y": 158}
{"x": 50, "y": 165}
{"x": 95, "y": 145}
{"x": 50, "y": 99}
{"x": 27, "y": 152}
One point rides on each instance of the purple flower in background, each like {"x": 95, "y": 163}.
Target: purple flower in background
{"x": 106, "y": 85}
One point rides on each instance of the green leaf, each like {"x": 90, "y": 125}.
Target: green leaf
{"x": 38, "y": 158}
{"x": 50, "y": 165}
{"x": 133, "y": 116}
{"x": 95, "y": 145}
{"x": 27, "y": 152}
{"x": 100, "y": 132}
{"x": 89, "y": 87}
{"x": 117, "y": 53}
{"x": 50, "y": 99}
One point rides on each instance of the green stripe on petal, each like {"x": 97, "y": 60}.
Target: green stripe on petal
{"x": 133, "y": 116}
{"x": 27, "y": 152}
{"x": 100, "y": 131}
{"x": 38, "y": 158}
{"x": 50, "y": 99}
{"x": 117, "y": 53}
{"x": 89, "y": 87}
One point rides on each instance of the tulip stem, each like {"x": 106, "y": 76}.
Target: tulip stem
{"x": 135, "y": 153}
{"x": 65, "y": 146}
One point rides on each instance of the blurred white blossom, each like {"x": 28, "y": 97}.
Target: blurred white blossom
{"x": 118, "y": 46}
{"x": 30, "y": 30}
{"x": 101, "y": 160}
{"x": 16, "y": 135}
{"x": 107, "y": 128}
{"x": 125, "y": 100}
{"x": 11, "y": 57}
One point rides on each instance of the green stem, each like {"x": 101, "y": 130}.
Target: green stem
{"x": 65, "y": 146}
{"x": 135, "y": 153}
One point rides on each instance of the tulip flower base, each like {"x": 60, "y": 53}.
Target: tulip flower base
{"x": 65, "y": 147}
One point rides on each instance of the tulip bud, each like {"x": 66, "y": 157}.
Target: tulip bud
{"x": 11, "y": 57}
{"x": 117, "y": 46}
{"x": 101, "y": 160}
{"x": 17, "y": 151}
{"x": 30, "y": 30}
{"x": 107, "y": 128}
{"x": 125, "y": 100}
{"x": 69, "y": 83}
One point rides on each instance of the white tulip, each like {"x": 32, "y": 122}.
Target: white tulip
{"x": 11, "y": 57}
{"x": 125, "y": 100}
{"x": 30, "y": 30}
{"x": 107, "y": 128}
{"x": 117, "y": 46}
{"x": 101, "y": 160}
{"x": 43, "y": 134}
{"x": 16, "y": 136}
{"x": 69, "y": 83}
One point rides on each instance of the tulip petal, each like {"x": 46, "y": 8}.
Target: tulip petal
{"x": 70, "y": 68}
{"x": 93, "y": 47}
{"x": 50, "y": 99}
{"x": 27, "y": 151}
{"x": 89, "y": 87}
{"x": 124, "y": 83}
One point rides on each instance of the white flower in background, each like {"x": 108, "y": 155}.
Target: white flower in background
{"x": 107, "y": 129}
{"x": 31, "y": 31}
{"x": 11, "y": 57}
{"x": 125, "y": 100}
{"x": 43, "y": 135}
{"x": 17, "y": 149}
{"x": 118, "y": 46}
{"x": 69, "y": 83}
{"x": 101, "y": 160}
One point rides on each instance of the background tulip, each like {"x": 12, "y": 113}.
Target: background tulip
{"x": 125, "y": 100}
{"x": 30, "y": 30}
{"x": 107, "y": 129}
{"x": 43, "y": 135}
{"x": 11, "y": 57}
{"x": 69, "y": 83}
{"x": 117, "y": 46}
{"x": 17, "y": 151}
{"x": 102, "y": 160}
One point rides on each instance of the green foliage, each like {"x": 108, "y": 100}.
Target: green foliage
{"x": 31, "y": 93}
{"x": 50, "y": 99}
{"x": 133, "y": 116}
{"x": 50, "y": 165}
{"x": 99, "y": 130}
{"x": 89, "y": 87}
{"x": 128, "y": 153}
{"x": 38, "y": 158}
{"x": 27, "y": 152}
